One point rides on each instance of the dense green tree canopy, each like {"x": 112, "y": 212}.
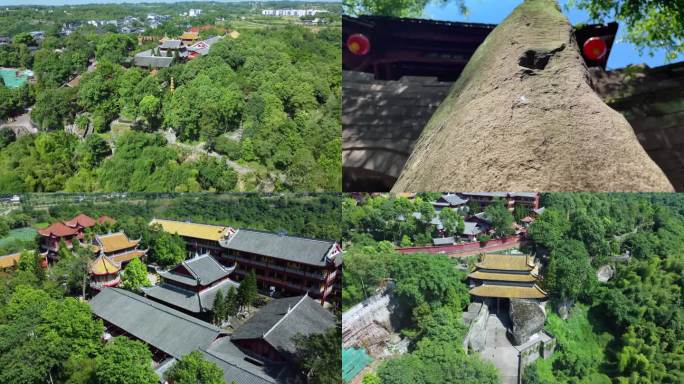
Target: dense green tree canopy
{"x": 135, "y": 276}
{"x": 501, "y": 218}
{"x": 125, "y": 361}
{"x": 452, "y": 221}
{"x": 317, "y": 353}
{"x": 194, "y": 369}
{"x": 270, "y": 98}
{"x": 46, "y": 331}
{"x": 639, "y": 308}
{"x": 166, "y": 249}
{"x": 569, "y": 273}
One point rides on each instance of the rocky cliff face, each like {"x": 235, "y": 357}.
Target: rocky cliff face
{"x": 522, "y": 116}
{"x": 527, "y": 318}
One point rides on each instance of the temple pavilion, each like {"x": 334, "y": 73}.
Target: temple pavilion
{"x": 104, "y": 272}
{"x": 506, "y": 277}
{"x": 118, "y": 247}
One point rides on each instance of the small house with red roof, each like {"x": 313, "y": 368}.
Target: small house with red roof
{"x": 57, "y": 232}
{"x": 81, "y": 221}
{"x": 68, "y": 231}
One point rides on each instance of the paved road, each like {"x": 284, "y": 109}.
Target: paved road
{"x": 21, "y": 125}
{"x": 500, "y": 351}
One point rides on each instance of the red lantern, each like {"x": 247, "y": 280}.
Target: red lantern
{"x": 358, "y": 44}
{"x": 594, "y": 48}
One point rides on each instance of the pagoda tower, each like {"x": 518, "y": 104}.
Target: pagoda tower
{"x": 104, "y": 273}
{"x": 506, "y": 277}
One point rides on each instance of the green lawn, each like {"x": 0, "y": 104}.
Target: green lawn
{"x": 22, "y": 234}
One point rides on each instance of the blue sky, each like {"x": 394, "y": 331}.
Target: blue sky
{"x": 494, "y": 11}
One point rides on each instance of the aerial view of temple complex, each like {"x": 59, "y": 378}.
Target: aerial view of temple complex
{"x": 173, "y": 312}
{"x": 507, "y": 304}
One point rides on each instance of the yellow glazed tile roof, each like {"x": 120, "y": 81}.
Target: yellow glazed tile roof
{"x": 116, "y": 241}
{"x": 10, "y": 260}
{"x": 502, "y": 276}
{"x": 103, "y": 265}
{"x": 197, "y": 231}
{"x": 189, "y": 36}
{"x": 508, "y": 291}
{"x": 124, "y": 257}
{"x": 506, "y": 262}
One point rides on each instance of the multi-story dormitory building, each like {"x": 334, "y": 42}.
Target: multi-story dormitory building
{"x": 285, "y": 265}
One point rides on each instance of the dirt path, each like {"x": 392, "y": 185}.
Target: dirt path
{"x": 197, "y": 149}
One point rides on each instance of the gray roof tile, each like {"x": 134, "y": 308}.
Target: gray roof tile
{"x": 292, "y": 248}
{"x": 453, "y": 199}
{"x": 242, "y": 369}
{"x": 443, "y": 240}
{"x": 189, "y": 300}
{"x": 206, "y": 269}
{"x": 471, "y": 228}
{"x": 148, "y": 60}
{"x": 162, "y": 327}
{"x": 281, "y": 320}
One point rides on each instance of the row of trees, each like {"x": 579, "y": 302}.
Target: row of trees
{"x": 235, "y": 300}
{"x": 309, "y": 215}
{"x": 58, "y": 161}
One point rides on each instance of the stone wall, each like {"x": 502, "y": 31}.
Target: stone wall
{"x": 370, "y": 322}
{"x": 541, "y": 345}
{"x": 652, "y": 100}
{"x": 381, "y": 120}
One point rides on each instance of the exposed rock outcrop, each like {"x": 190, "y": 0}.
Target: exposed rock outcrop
{"x": 527, "y": 318}
{"x": 522, "y": 116}
{"x": 477, "y": 332}
{"x": 605, "y": 273}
